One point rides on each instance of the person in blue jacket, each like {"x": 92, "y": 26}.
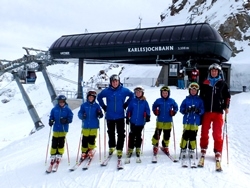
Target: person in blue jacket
{"x": 192, "y": 108}
{"x": 90, "y": 112}
{"x": 114, "y": 108}
{"x": 138, "y": 113}
{"x": 164, "y": 108}
{"x": 60, "y": 117}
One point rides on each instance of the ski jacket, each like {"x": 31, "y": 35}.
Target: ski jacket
{"x": 192, "y": 118}
{"x": 58, "y": 113}
{"x": 138, "y": 109}
{"x": 165, "y": 105}
{"x": 115, "y": 100}
{"x": 89, "y": 113}
{"x": 215, "y": 95}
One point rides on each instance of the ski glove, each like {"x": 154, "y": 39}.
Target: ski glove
{"x": 156, "y": 112}
{"x": 99, "y": 114}
{"x": 104, "y": 107}
{"x": 172, "y": 112}
{"x": 51, "y": 122}
{"x": 64, "y": 121}
{"x": 147, "y": 118}
{"x": 197, "y": 110}
{"x": 84, "y": 116}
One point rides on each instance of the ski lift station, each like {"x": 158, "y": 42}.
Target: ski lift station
{"x": 172, "y": 47}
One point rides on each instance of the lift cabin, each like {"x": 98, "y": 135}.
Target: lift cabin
{"x": 27, "y": 76}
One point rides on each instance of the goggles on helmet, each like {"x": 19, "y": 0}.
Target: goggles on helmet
{"x": 165, "y": 88}
{"x": 139, "y": 89}
{"x": 92, "y": 93}
{"x": 114, "y": 77}
{"x": 214, "y": 66}
{"x": 194, "y": 86}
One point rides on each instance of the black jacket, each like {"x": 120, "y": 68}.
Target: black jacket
{"x": 215, "y": 98}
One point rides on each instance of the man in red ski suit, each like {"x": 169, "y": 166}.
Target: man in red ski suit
{"x": 215, "y": 94}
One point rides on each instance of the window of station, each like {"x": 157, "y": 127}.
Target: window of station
{"x": 196, "y": 32}
{"x": 166, "y": 34}
{"x": 147, "y": 35}
{"x": 58, "y": 42}
{"x": 176, "y": 34}
{"x": 206, "y": 33}
{"x": 129, "y": 37}
{"x": 217, "y": 35}
{"x": 187, "y": 33}
{"x": 91, "y": 39}
{"x": 138, "y": 36}
{"x": 157, "y": 35}
{"x": 98, "y": 39}
{"x": 71, "y": 40}
{"x": 77, "y": 41}
{"x": 84, "y": 39}
{"x": 64, "y": 42}
{"x": 105, "y": 39}
{"x": 113, "y": 38}
{"x": 121, "y": 37}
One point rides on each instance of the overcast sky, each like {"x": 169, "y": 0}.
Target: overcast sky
{"x": 38, "y": 23}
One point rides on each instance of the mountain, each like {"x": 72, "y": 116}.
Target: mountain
{"x": 231, "y": 18}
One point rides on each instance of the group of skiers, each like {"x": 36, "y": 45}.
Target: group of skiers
{"x": 203, "y": 106}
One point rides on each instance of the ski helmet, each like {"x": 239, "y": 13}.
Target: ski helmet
{"x": 165, "y": 88}
{"x": 114, "y": 77}
{"x": 91, "y": 93}
{"x": 195, "y": 86}
{"x": 61, "y": 97}
{"x": 139, "y": 88}
{"x": 214, "y": 66}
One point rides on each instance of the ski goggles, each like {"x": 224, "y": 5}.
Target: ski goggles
{"x": 194, "y": 86}
{"x": 214, "y": 66}
{"x": 92, "y": 93}
{"x": 165, "y": 88}
{"x": 138, "y": 89}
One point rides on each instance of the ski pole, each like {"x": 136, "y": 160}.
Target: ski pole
{"x": 47, "y": 150}
{"x": 105, "y": 124}
{"x": 145, "y": 114}
{"x": 67, "y": 150}
{"x": 225, "y": 133}
{"x": 79, "y": 145}
{"x": 174, "y": 140}
{"x": 100, "y": 154}
{"x": 193, "y": 106}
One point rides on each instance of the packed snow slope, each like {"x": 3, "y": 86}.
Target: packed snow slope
{"x": 23, "y": 158}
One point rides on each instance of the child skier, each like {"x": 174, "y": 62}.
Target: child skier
{"x": 192, "y": 108}
{"x": 60, "y": 117}
{"x": 164, "y": 108}
{"x": 137, "y": 115}
{"x": 89, "y": 113}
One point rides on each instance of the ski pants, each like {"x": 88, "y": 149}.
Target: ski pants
{"x": 189, "y": 134}
{"x": 215, "y": 120}
{"x": 166, "y": 128}
{"x": 58, "y": 140}
{"x": 135, "y": 135}
{"x": 88, "y": 139}
{"x": 118, "y": 126}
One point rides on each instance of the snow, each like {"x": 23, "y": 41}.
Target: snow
{"x": 22, "y": 157}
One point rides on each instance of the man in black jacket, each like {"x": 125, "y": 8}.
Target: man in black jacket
{"x": 215, "y": 94}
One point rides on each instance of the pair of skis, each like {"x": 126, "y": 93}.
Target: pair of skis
{"x": 187, "y": 161}
{"x": 119, "y": 162}
{"x": 54, "y": 164}
{"x": 87, "y": 161}
{"x": 154, "y": 158}
{"x": 218, "y": 167}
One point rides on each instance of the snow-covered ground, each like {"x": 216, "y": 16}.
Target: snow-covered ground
{"x": 22, "y": 157}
